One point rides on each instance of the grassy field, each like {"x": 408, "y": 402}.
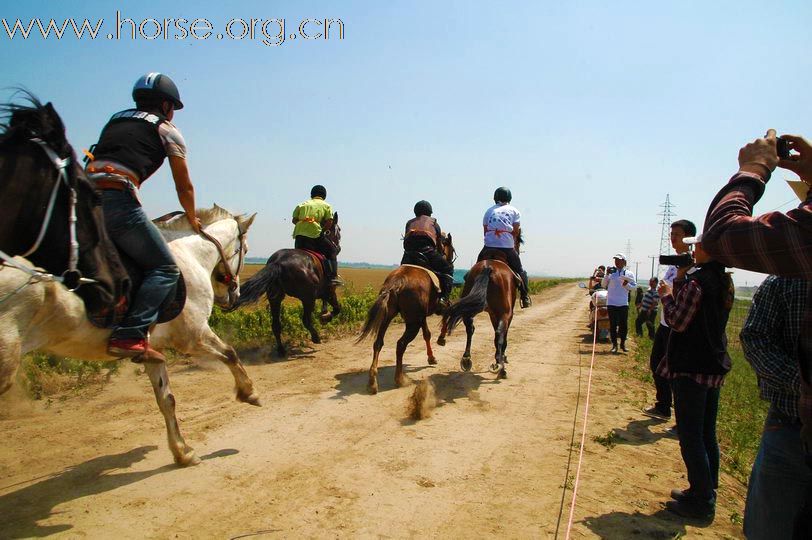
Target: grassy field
{"x": 741, "y": 411}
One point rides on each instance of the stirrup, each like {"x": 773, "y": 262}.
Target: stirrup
{"x": 525, "y": 302}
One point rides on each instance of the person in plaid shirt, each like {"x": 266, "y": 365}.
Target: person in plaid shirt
{"x": 774, "y": 243}
{"x": 779, "y": 478}
{"x": 696, "y": 362}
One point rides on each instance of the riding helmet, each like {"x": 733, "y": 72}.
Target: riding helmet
{"x": 502, "y": 194}
{"x": 422, "y": 208}
{"x": 157, "y": 85}
{"x": 318, "y": 191}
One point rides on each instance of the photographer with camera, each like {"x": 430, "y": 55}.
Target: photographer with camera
{"x": 775, "y": 243}
{"x": 696, "y": 362}
{"x": 676, "y": 263}
{"x": 618, "y": 282}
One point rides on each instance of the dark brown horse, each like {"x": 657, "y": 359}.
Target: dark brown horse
{"x": 49, "y": 212}
{"x": 296, "y": 273}
{"x": 410, "y": 292}
{"x": 489, "y": 286}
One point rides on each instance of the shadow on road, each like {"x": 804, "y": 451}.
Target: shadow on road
{"x": 355, "y": 382}
{"x": 661, "y": 525}
{"x": 20, "y": 510}
{"x": 638, "y": 432}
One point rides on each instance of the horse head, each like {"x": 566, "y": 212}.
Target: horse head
{"x": 447, "y": 246}
{"x": 333, "y": 233}
{"x": 48, "y": 206}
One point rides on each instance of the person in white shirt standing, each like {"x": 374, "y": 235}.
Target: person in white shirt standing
{"x": 617, "y": 285}
{"x": 503, "y": 235}
{"x": 662, "y": 406}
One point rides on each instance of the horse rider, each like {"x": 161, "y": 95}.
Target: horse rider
{"x": 502, "y": 233}
{"x": 311, "y": 219}
{"x": 131, "y": 147}
{"x": 424, "y": 237}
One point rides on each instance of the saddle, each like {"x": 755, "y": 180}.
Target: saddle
{"x": 433, "y": 276}
{"x": 495, "y": 255}
{"x": 318, "y": 258}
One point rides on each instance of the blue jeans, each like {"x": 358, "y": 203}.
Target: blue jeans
{"x": 136, "y": 236}
{"x": 696, "y": 407}
{"x": 778, "y": 481}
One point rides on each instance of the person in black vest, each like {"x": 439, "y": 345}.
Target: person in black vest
{"x": 422, "y": 244}
{"x": 696, "y": 361}
{"x": 131, "y": 147}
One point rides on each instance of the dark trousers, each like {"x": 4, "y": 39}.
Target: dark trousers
{"x": 647, "y": 317}
{"x": 323, "y": 246}
{"x": 662, "y": 385}
{"x": 421, "y": 251}
{"x": 618, "y": 323}
{"x": 696, "y": 407}
{"x": 512, "y": 259}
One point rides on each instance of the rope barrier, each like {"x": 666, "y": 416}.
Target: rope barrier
{"x": 583, "y": 434}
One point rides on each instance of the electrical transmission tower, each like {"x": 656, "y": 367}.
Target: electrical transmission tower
{"x": 628, "y": 250}
{"x": 665, "y": 232}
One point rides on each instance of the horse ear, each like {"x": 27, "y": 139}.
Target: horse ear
{"x": 449, "y": 237}
{"x": 335, "y": 217}
{"x": 246, "y": 223}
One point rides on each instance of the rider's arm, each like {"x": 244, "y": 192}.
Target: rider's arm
{"x": 185, "y": 189}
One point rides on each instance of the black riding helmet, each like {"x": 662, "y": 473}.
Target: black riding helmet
{"x": 502, "y": 194}
{"x": 318, "y": 191}
{"x": 422, "y": 208}
{"x": 157, "y": 85}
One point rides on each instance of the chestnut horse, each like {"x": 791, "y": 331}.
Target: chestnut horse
{"x": 407, "y": 291}
{"x": 489, "y": 286}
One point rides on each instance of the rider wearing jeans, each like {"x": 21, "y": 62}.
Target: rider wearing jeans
{"x": 423, "y": 236}
{"x": 502, "y": 232}
{"x": 131, "y": 147}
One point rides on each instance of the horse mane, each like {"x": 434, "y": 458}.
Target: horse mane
{"x": 24, "y": 121}
{"x": 207, "y": 216}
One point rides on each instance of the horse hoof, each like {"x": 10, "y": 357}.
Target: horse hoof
{"x": 466, "y": 364}
{"x": 432, "y": 361}
{"x": 495, "y": 368}
{"x": 372, "y": 390}
{"x": 253, "y": 399}
{"x": 441, "y": 341}
{"x": 502, "y": 374}
{"x": 316, "y": 340}
{"x": 188, "y": 459}
{"x": 325, "y": 317}
{"x": 281, "y": 352}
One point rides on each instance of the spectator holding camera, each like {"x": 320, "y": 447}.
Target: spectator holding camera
{"x": 662, "y": 406}
{"x": 775, "y": 243}
{"x": 696, "y": 361}
{"x": 647, "y": 309}
{"x": 597, "y": 277}
{"x": 618, "y": 282}
{"x": 780, "y": 478}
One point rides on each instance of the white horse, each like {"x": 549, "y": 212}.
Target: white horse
{"x": 45, "y": 316}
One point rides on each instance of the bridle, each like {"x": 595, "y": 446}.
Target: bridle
{"x": 446, "y": 245}
{"x": 229, "y": 278}
{"x": 72, "y": 277}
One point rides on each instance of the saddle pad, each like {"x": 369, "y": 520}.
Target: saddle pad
{"x": 434, "y": 279}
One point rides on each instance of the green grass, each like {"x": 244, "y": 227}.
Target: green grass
{"x": 741, "y": 411}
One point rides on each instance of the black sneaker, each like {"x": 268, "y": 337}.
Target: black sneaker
{"x": 691, "y": 507}
{"x": 613, "y": 350}
{"x": 623, "y": 347}
{"x": 654, "y": 412}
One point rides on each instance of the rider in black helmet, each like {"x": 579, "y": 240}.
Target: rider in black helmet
{"x": 502, "y": 233}
{"x": 311, "y": 218}
{"x": 132, "y": 146}
{"x": 422, "y": 246}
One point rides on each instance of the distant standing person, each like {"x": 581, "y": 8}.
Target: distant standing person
{"x": 662, "y": 406}
{"x": 618, "y": 282}
{"x": 647, "y": 310}
{"x": 502, "y": 228}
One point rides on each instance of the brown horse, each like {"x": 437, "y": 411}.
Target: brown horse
{"x": 407, "y": 291}
{"x": 489, "y": 286}
{"x": 296, "y": 273}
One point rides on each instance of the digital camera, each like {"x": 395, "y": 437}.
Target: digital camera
{"x": 680, "y": 261}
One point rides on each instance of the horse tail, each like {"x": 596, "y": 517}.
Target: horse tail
{"x": 264, "y": 281}
{"x": 379, "y": 310}
{"x": 473, "y": 303}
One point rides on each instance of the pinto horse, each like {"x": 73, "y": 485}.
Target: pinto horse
{"x": 489, "y": 286}
{"x": 46, "y": 316}
{"x": 410, "y": 292}
{"x": 49, "y": 212}
{"x": 296, "y": 273}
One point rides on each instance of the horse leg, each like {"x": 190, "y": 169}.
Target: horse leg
{"x": 427, "y": 338}
{"x": 372, "y": 386}
{"x": 332, "y": 299}
{"x": 10, "y": 361}
{"x": 412, "y": 328}
{"x": 308, "y": 305}
{"x": 443, "y": 333}
{"x": 275, "y": 305}
{"x": 465, "y": 363}
{"x": 183, "y": 453}
{"x": 212, "y": 347}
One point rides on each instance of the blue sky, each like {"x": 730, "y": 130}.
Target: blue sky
{"x": 589, "y": 111}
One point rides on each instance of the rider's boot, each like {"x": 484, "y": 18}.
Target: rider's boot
{"x": 446, "y": 284}
{"x": 332, "y": 270}
{"x": 525, "y": 292}
{"x": 137, "y": 349}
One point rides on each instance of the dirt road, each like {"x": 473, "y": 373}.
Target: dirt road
{"x": 322, "y": 458}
